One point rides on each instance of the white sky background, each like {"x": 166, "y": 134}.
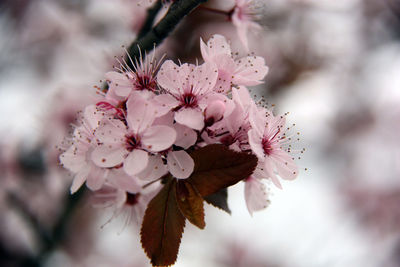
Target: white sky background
{"x": 308, "y": 222}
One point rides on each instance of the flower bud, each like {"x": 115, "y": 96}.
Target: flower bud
{"x": 214, "y": 112}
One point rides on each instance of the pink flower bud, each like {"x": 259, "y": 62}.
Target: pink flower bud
{"x": 214, "y": 112}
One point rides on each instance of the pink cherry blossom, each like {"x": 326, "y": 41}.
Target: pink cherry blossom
{"x": 76, "y": 158}
{"x": 130, "y": 144}
{"x": 267, "y": 139}
{"x": 243, "y": 17}
{"x": 140, "y": 79}
{"x": 247, "y": 71}
{"x": 189, "y": 88}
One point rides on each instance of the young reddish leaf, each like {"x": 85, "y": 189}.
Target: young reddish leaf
{"x": 190, "y": 203}
{"x": 219, "y": 200}
{"x": 162, "y": 227}
{"x": 217, "y": 167}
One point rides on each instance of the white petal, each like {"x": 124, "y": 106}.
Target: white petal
{"x": 136, "y": 161}
{"x": 180, "y": 164}
{"x": 158, "y": 138}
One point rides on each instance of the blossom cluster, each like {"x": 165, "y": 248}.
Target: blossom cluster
{"x": 153, "y": 115}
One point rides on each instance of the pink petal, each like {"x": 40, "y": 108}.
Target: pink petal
{"x": 269, "y": 170}
{"x": 164, "y": 103}
{"x": 171, "y": 77}
{"x": 154, "y": 170}
{"x": 158, "y": 138}
{"x": 79, "y": 179}
{"x": 120, "y": 83}
{"x": 125, "y": 182}
{"x": 141, "y": 113}
{"x": 92, "y": 116}
{"x": 96, "y": 178}
{"x": 216, "y": 45}
{"x": 203, "y": 78}
{"x": 242, "y": 97}
{"x": 73, "y": 160}
{"x": 136, "y": 161}
{"x": 257, "y": 119}
{"x": 107, "y": 156}
{"x": 255, "y": 141}
{"x": 113, "y": 131}
{"x": 250, "y": 71}
{"x": 190, "y": 117}
{"x": 285, "y": 165}
{"x": 180, "y": 164}
{"x": 255, "y": 195}
{"x": 186, "y": 137}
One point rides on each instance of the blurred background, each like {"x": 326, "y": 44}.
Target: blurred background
{"x": 334, "y": 65}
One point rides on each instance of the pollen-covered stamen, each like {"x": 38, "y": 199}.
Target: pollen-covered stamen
{"x": 132, "y": 199}
{"x": 143, "y": 82}
{"x": 132, "y": 142}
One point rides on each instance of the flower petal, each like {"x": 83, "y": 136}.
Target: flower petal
{"x": 186, "y": 137}
{"x": 192, "y": 118}
{"x": 136, "y": 161}
{"x": 79, "y": 179}
{"x": 255, "y": 141}
{"x": 154, "y": 170}
{"x": 164, "y": 103}
{"x": 216, "y": 45}
{"x": 107, "y": 156}
{"x": 285, "y": 165}
{"x": 171, "y": 77}
{"x": 180, "y": 164}
{"x": 96, "y": 177}
{"x": 255, "y": 195}
{"x": 73, "y": 159}
{"x": 250, "y": 71}
{"x": 113, "y": 131}
{"x": 158, "y": 138}
{"x": 141, "y": 113}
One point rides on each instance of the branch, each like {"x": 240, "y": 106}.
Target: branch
{"x": 177, "y": 11}
{"x": 151, "y": 15}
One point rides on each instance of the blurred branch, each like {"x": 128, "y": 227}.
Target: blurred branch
{"x": 151, "y": 15}
{"x": 177, "y": 11}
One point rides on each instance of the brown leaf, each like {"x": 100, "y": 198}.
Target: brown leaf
{"x": 219, "y": 200}
{"x": 190, "y": 203}
{"x": 162, "y": 227}
{"x": 217, "y": 167}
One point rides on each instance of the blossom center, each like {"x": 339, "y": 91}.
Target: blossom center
{"x": 145, "y": 82}
{"x": 132, "y": 142}
{"x": 189, "y": 100}
{"x": 131, "y": 199}
{"x": 267, "y": 146}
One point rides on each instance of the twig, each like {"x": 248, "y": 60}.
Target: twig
{"x": 178, "y": 10}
